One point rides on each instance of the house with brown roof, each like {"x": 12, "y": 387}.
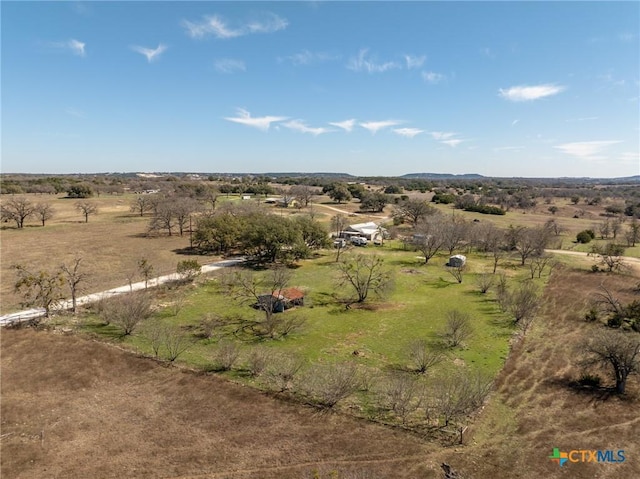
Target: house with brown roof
{"x": 281, "y": 300}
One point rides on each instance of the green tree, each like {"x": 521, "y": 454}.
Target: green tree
{"x": 39, "y": 288}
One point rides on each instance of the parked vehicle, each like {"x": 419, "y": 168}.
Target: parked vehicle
{"x": 359, "y": 241}
{"x": 339, "y": 243}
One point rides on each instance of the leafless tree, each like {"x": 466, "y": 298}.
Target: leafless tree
{"x": 87, "y": 208}
{"x": 175, "y": 341}
{"x": 142, "y": 204}
{"x": 258, "y": 360}
{"x": 502, "y": 293}
{"x": 632, "y": 235}
{"x": 454, "y": 396}
{"x": 153, "y": 332}
{"x": 182, "y": 209}
{"x": 365, "y": 274}
{"x": 338, "y": 224}
{"x": 456, "y": 271}
{"x": 286, "y": 197}
{"x": 226, "y": 355}
{"x": 44, "y": 212}
{"x": 455, "y": 232}
{"x": 604, "y": 228}
{"x": 303, "y": 194}
{"x": 611, "y": 256}
{"x": 607, "y": 302}
{"x": 163, "y": 216}
{"x": 401, "y": 393}
{"x": 485, "y": 282}
{"x": 146, "y": 270}
{"x": 74, "y": 277}
{"x": 328, "y": 384}
{"x": 283, "y": 370}
{"x": 428, "y": 238}
{"x": 555, "y": 227}
{"x": 617, "y": 350}
{"x": 523, "y": 303}
{"x": 529, "y": 241}
{"x": 17, "y": 209}
{"x": 457, "y": 329}
{"x": 127, "y": 311}
{"x": 540, "y": 263}
{"x": 39, "y": 288}
{"x": 413, "y": 211}
{"x": 423, "y": 356}
{"x": 265, "y": 292}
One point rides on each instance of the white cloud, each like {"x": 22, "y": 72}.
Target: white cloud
{"x": 452, "y": 143}
{"x": 74, "y": 112}
{"x": 515, "y": 122}
{"x": 346, "y": 125}
{"x": 374, "y": 126}
{"x": 76, "y": 46}
{"x": 414, "y": 61}
{"x": 366, "y": 63}
{"x": 442, "y": 135}
{"x": 152, "y": 55}
{"x": 433, "y": 77}
{"x": 262, "y": 123}
{"x": 509, "y": 148}
{"x": 299, "y": 125}
{"x": 306, "y": 57}
{"x": 630, "y": 157}
{"x": 528, "y": 93}
{"x": 408, "y": 132}
{"x": 627, "y": 37}
{"x": 229, "y": 65}
{"x": 215, "y": 25}
{"x": 586, "y": 150}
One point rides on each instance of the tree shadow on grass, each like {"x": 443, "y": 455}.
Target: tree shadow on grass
{"x": 594, "y": 393}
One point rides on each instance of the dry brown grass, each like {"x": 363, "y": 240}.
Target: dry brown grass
{"x": 110, "y": 244}
{"x": 75, "y": 408}
{"x": 536, "y": 407}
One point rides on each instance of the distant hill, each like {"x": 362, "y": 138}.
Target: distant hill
{"x": 443, "y": 176}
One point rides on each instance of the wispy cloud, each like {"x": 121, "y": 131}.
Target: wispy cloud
{"x": 611, "y": 80}
{"x": 515, "y": 122}
{"x": 586, "y": 150}
{"x": 587, "y": 118}
{"x": 367, "y": 63}
{"x": 346, "y": 125}
{"x": 262, "y": 123}
{"x": 433, "y": 77}
{"x": 629, "y": 157}
{"x": 414, "y": 61}
{"x": 627, "y": 37}
{"x": 229, "y": 65}
{"x": 306, "y": 57}
{"x": 408, "y": 132}
{"x": 529, "y": 93}
{"x": 446, "y": 138}
{"x": 74, "y": 112}
{"x": 509, "y": 148}
{"x": 151, "y": 54}
{"x": 217, "y": 26}
{"x": 487, "y": 52}
{"x": 300, "y": 126}
{"x": 75, "y": 46}
{"x": 374, "y": 126}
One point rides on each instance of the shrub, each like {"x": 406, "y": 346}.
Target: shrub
{"x": 584, "y": 237}
{"x": 592, "y": 314}
{"x": 589, "y": 380}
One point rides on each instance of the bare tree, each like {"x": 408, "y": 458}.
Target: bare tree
{"x": 226, "y": 355}
{"x": 632, "y": 235}
{"x": 142, "y": 204}
{"x": 328, "y": 384}
{"x": 540, "y": 263}
{"x": 182, "y": 209}
{"x": 163, "y": 216}
{"x": 456, "y": 271}
{"x": 175, "y": 341}
{"x": 455, "y": 232}
{"x": 283, "y": 370}
{"x": 457, "y": 329}
{"x": 18, "y": 210}
{"x": 423, "y": 356}
{"x": 484, "y": 282}
{"x": 127, "y": 311}
{"x": 264, "y": 291}
{"x": 39, "y": 288}
{"x": 146, "y": 270}
{"x": 413, "y": 211}
{"x": 400, "y": 393}
{"x": 87, "y": 208}
{"x": 338, "y": 224}
{"x": 611, "y": 256}
{"x": 74, "y": 276}
{"x": 303, "y": 194}
{"x": 258, "y": 360}
{"x": 44, "y": 212}
{"x": 523, "y": 304}
{"x": 429, "y": 238}
{"x": 616, "y": 350}
{"x": 529, "y": 241}
{"x": 365, "y": 274}
{"x": 456, "y": 395}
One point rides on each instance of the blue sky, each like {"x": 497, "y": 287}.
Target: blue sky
{"x": 537, "y": 89}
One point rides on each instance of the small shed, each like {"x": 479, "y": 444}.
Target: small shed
{"x": 281, "y": 300}
{"x": 457, "y": 261}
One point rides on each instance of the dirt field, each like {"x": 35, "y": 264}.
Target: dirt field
{"x": 73, "y": 408}
{"x": 535, "y": 407}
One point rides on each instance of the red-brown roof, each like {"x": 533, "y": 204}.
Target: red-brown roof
{"x": 291, "y": 294}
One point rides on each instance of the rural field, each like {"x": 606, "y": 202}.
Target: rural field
{"x": 338, "y": 388}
